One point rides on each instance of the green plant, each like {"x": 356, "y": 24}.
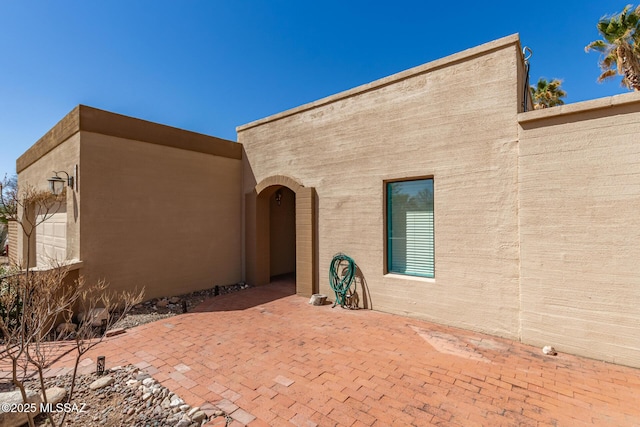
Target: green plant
{"x": 547, "y": 94}
{"x": 619, "y": 49}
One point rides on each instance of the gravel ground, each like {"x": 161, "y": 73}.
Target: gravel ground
{"x": 161, "y": 308}
{"x": 128, "y": 401}
{"x": 132, "y": 399}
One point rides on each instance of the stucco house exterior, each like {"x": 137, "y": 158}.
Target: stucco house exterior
{"x": 458, "y": 205}
{"x": 143, "y": 199}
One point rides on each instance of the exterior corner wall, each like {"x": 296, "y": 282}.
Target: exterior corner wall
{"x": 159, "y": 217}
{"x": 579, "y": 186}
{"x": 249, "y": 242}
{"x": 432, "y": 121}
{"x": 63, "y": 156}
{"x": 306, "y": 273}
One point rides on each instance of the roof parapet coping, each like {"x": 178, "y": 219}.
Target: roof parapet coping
{"x": 89, "y": 119}
{"x": 624, "y": 99}
{"x": 394, "y": 78}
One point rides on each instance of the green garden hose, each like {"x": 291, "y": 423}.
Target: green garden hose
{"x": 341, "y": 277}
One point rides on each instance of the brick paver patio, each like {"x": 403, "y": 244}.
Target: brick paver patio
{"x": 271, "y": 359}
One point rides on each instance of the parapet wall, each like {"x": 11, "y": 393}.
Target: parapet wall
{"x": 579, "y": 191}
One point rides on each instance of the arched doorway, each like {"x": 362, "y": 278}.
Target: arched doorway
{"x": 280, "y": 237}
{"x": 282, "y": 232}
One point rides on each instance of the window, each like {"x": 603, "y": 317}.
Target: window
{"x": 410, "y": 236}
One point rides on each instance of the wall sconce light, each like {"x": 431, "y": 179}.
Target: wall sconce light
{"x": 56, "y": 184}
{"x": 279, "y": 197}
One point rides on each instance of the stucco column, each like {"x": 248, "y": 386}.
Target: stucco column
{"x": 305, "y": 242}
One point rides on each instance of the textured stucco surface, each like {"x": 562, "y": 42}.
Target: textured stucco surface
{"x": 62, "y": 157}
{"x": 160, "y": 217}
{"x": 579, "y": 202}
{"x": 160, "y": 206}
{"x": 454, "y": 120}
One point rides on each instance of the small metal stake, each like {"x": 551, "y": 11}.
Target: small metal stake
{"x": 103, "y": 326}
{"x": 184, "y": 306}
{"x": 100, "y": 366}
{"x": 216, "y": 291}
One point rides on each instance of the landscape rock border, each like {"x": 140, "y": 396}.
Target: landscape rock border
{"x": 125, "y": 396}
{"x": 162, "y": 308}
{"x": 148, "y": 404}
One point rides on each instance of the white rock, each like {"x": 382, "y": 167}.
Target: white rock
{"x": 133, "y": 383}
{"x": 547, "y": 349}
{"x": 148, "y": 381}
{"x": 146, "y": 396}
{"x": 95, "y": 316}
{"x": 317, "y": 299}
{"x": 55, "y": 394}
{"x": 101, "y": 382}
{"x": 193, "y": 411}
{"x": 66, "y": 328}
{"x": 184, "y": 408}
{"x": 166, "y": 403}
{"x": 175, "y": 402}
{"x": 16, "y": 419}
{"x": 198, "y": 416}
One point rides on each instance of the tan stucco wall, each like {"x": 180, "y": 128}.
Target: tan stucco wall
{"x": 453, "y": 119}
{"x": 161, "y": 206}
{"x": 61, "y": 157}
{"x": 158, "y": 216}
{"x": 580, "y": 228}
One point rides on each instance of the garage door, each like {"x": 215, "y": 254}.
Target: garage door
{"x": 51, "y": 239}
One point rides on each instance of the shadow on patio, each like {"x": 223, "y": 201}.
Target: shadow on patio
{"x": 280, "y": 287}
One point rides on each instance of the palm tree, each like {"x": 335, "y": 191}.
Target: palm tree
{"x": 547, "y": 94}
{"x": 619, "y": 47}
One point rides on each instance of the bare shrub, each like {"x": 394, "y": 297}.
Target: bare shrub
{"x": 33, "y": 302}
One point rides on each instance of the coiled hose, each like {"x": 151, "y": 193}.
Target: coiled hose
{"x": 341, "y": 274}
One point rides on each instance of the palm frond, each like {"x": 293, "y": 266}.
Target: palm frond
{"x": 620, "y": 46}
{"x": 607, "y": 75}
{"x": 547, "y": 93}
{"x": 598, "y": 46}
{"x": 609, "y": 62}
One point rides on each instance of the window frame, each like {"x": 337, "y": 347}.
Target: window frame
{"x": 387, "y": 227}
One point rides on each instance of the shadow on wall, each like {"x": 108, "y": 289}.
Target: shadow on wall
{"x": 357, "y": 296}
{"x": 360, "y": 286}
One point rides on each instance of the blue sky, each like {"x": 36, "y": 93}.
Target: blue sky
{"x": 211, "y": 65}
